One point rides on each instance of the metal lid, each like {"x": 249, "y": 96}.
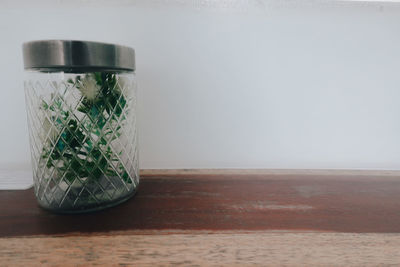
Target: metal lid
{"x": 77, "y": 55}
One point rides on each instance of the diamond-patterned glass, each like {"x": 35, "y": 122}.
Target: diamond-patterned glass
{"x": 82, "y": 131}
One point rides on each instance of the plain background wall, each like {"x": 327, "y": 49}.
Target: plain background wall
{"x": 231, "y": 84}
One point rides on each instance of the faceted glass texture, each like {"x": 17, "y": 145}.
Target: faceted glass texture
{"x": 82, "y": 131}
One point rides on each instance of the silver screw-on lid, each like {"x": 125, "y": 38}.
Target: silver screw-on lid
{"x": 77, "y": 55}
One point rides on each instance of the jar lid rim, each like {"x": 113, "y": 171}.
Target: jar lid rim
{"x": 76, "y": 54}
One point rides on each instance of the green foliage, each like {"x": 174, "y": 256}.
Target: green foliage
{"x": 73, "y": 152}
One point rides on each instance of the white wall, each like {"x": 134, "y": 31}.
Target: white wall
{"x": 233, "y": 84}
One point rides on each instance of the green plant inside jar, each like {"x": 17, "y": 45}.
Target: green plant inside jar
{"x": 79, "y": 142}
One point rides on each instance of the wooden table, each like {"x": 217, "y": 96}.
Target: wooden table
{"x": 230, "y": 218}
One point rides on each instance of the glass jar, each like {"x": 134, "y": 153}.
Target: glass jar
{"x": 80, "y": 99}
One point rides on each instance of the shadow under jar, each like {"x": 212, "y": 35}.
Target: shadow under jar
{"x": 81, "y": 99}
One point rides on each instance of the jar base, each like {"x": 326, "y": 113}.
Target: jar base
{"x": 92, "y": 208}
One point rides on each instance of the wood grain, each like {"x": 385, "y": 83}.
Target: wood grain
{"x": 312, "y": 202}
{"x": 293, "y": 172}
{"x": 200, "y": 218}
{"x": 220, "y": 249}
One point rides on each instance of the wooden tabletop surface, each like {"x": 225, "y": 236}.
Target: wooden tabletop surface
{"x": 231, "y": 219}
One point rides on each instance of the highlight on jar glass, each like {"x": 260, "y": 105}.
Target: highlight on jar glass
{"x": 81, "y": 101}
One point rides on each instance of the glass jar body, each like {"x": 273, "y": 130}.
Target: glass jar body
{"x": 82, "y": 131}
